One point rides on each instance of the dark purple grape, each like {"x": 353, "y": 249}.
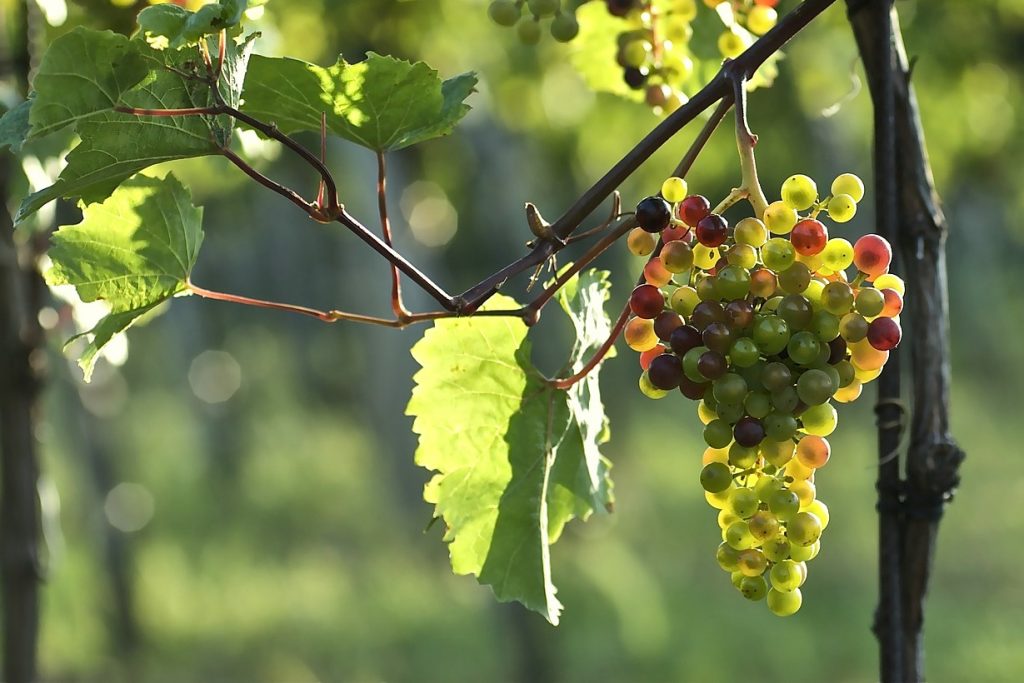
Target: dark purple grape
{"x": 739, "y": 314}
{"x": 693, "y": 209}
{"x": 707, "y": 312}
{"x": 653, "y": 214}
{"x": 837, "y": 350}
{"x": 619, "y": 8}
{"x": 748, "y": 432}
{"x": 666, "y": 323}
{"x": 635, "y": 78}
{"x": 693, "y": 390}
{"x": 712, "y": 364}
{"x": 717, "y": 337}
{"x": 665, "y": 371}
{"x": 684, "y": 338}
{"x": 712, "y": 230}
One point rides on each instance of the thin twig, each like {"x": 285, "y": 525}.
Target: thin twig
{"x": 385, "y": 225}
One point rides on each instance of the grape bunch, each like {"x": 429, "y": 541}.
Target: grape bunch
{"x": 761, "y": 324}
{"x": 563, "y": 26}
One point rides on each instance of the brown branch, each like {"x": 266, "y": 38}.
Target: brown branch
{"x": 385, "y": 225}
{"x": 598, "y": 356}
{"x": 277, "y": 187}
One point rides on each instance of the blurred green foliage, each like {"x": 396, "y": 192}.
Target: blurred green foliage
{"x": 278, "y": 535}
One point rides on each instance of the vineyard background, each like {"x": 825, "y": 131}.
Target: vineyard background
{"x": 285, "y": 541}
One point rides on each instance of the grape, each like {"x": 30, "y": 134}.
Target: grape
{"x": 676, "y": 232}
{"x": 674, "y": 190}
{"x": 658, "y": 95}
{"x": 809, "y": 237}
{"x": 620, "y": 8}
{"x": 712, "y": 365}
{"x": 848, "y": 184}
{"x": 705, "y": 313}
{"x": 853, "y": 327}
{"x": 733, "y": 282}
{"x": 684, "y": 300}
{"x": 691, "y": 360}
{"x": 776, "y": 549}
{"x": 712, "y": 230}
{"x": 649, "y": 355}
{"x": 704, "y": 257}
{"x": 730, "y": 388}
{"x": 655, "y": 272}
{"x": 691, "y": 389}
{"x": 718, "y": 433}
{"x": 715, "y": 477}
{"x": 799, "y": 192}
{"x": 890, "y": 281}
{"x": 640, "y": 242}
{"x": 872, "y": 254}
{"x": 777, "y": 453}
{"x": 765, "y": 487}
{"x": 706, "y": 288}
{"x": 634, "y": 53}
{"x": 646, "y": 301}
{"x": 677, "y": 257}
{"x": 803, "y": 350}
{"x": 795, "y": 279}
{"x": 776, "y": 376}
{"x": 837, "y": 254}
{"x": 780, "y": 426}
{"x": 850, "y": 392}
{"x": 893, "y": 303}
{"x": 742, "y": 255}
{"x": 786, "y": 576}
{"x": 728, "y": 557}
{"x": 752, "y": 562}
{"x": 771, "y": 334}
{"x": 743, "y": 502}
{"x": 528, "y": 31}
{"x": 761, "y": 19}
{"x": 750, "y": 231}
{"x": 796, "y": 311}
{"x": 504, "y": 12}
{"x": 744, "y": 352}
{"x": 715, "y": 454}
{"x": 841, "y": 208}
{"x": 884, "y": 334}
{"x": 543, "y": 8}
{"x": 753, "y": 588}
{"x": 819, "y": 510}
{"x": 666, "y": 323}
{"x": 778, "y": 254}
{"x": 803, "y": 529}
{"x": 748, "y": 432}
{"x": 635, "y": 77}
{"x": 803, "y": 554}
{"x": 763, "y": 283}
{"x": 639, "y": 334}
{"x": 758, "y": 404}
{"x": 684, "y": 338}
{"x": 649, "y": 390}
{"x": 866, "y": 357}
{"x": 717, "y": 337}
{"x": 819, "y": 420}
{"x": 804, "y": 490}
{"x": 738, "y": 536}
{"x": 653, "y": 214}
{"x": 826, "y": 326}
{"x": 763, "y": 525}
{"x": 785, "y": 505}
{"x": 666, "y": 371}
{"x": 564, "y": 27}
{"x": 739, "y": 314}
{"x": 836, "y": 351}
{"x": 837, "y": 298}
{"x": 870, "y": 302}
{"x": 780, "y": 218}
{"x": 693, "y": 209}
{"x": 732, "y": 43}
{"x": 742, "y": 457}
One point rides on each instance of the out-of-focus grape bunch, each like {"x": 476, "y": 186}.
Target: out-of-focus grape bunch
{"x": 762, "y": 324}
{"x": 656, "y": 51}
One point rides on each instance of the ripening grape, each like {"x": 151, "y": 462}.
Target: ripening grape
{"x": 761, "y": 19}
{"x": 666, "y": 323}
{"x": 763, "y": 283}
{"x": 848, "y": 184}
{"x": 890, "y": 281}
{"x": 893, "y": 303}
{"x": 646, "y": 301}
{"x": 884, "y": 334}
{"x": 738, "y": 536}
{"x": 753, "y": 588}
{"x": 742, "y": 255}
{"x": 778, "y": 254}
{"x": 705, "y": 257}
{"x": 763, "y": 525}
{"x": 809, "y": 237}
{"x": 639, "y": 334}
{"x": 851, "y": 392}
{"x": 684, "y": 300}
{"x": 564, "y": 27}
{"x": 870, "y": 302}
{"x": 504, "y": 12}
{"x": 803, "y": 529}
{"x": 784, "y": 504}
{"x": 804, "y": 490}
{"x": 819, "y": 510}
{"x": 677, "y": 257}
{"x": 780, "y": 218}
{"x": 866, "y": 357}
{"x": 804, "y": 553}
{"x": 728, "y": 557}
{"x": 798, "y": 471}
{"x": 799, "y": 192}
{"x": 752, "y": 562}
{"x": 640, "y": 242}
{"x": 837, "y": 298}
{"x": 853, "y": 327}
{"x": 649, "y": 355}
{"x": 841, "y": 208}
{"x": 785, "y": 576}
{"x": 795, "y": 279}
{"x": 674, "y": 190}
{"x": 712, "y": 230}
{"x": 872, "y": 254}
{"x": 693, "y": 209}
{"x": 743, "y": 502}
{"x": 655, "y": 273}
{"x": 813, "y": 451}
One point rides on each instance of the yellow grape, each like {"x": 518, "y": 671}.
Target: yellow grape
{"x": 715, "y": 455}
{"x": 705, "y": 258}
{"x": 761, "y": 19}
{"x": 780, "y": 218}
{"x": 865, "y": 376}
{"x": 849, "y": 184}
{"x": 851, "y": 392}
{"x": 706, "y": 415}
{"x": 890, "y": 281}
{"x": 639, "y": 335}
{"x": 841, "y": 208}
{"x": 732, "y": 42}
{"x": 640, "y": 242}
{"x": 674, "y": 190}
{"x": 753, "y": 232}
{"x": 837, "y": 254}
{"x": 649, "y": 390}
{"x": 684, "y": 300}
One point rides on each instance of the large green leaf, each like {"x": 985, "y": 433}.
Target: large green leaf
{"x": 14, "y": 126}
{"x": 510, "y": 453}
{"x": 178, "y": 26}
{"x": 115, "y": 145}
{"x": 133, "y": 251}
{"x": 381, "y": 103}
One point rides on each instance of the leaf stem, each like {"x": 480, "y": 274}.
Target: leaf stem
{"x": 385, "y": 225}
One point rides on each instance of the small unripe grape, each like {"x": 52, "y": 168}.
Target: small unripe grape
{"x": 738, "y": 536}
{"x": 543, "y": 8}
{"x": 728, "y": 557}
{"x": 820, "y": 420}
{"x": 564, "y": 27}
{"x": 732, "y": 43}
{"x": 684, "y": 300}
{"x": 853, "y": 327}
{"x": 742, "y": 255}
{"x": 848, "y": 184}
{"x": 504, "y": 12}
{"x": 786, "y": 576}
{"x": 784, "y": 504}
{"x": 837, "y": 298}
{"x": 674, "y": 190}
{"x": 841, "y": 208}
{"x": 778, "y": 254}
{"x": 837, "y": 254}
{"x": 716, "y": 477}
{"x": 804, "y": 553}
{"x": 761, "y": 19}
{"x": 528, "y": 31}
{"x": 718, "y": 434}
{"x": 799, "y": 192}
{"x": 753, "y": 588}
{"x": 804, "y": 529}
{"x": 763, "y": 524}
{"x": 780, "y": 218}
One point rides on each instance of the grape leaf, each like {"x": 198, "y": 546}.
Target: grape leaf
{"x": 594, "y": 51}
{"x": 381, "y": 103}
{"x": 14, "y": 126}
{"x": 115, "y": 145}
{"x": 133, "y": 251}
{"x": 179, "y": 26}
{"x": 510, "y": 454}
{"x": 83, "y": 73}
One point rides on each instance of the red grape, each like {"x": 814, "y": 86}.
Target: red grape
{"x": 707, "y": 312}
{"x": 884, "y": 334}
{"x": 739, "y": 314}
{"x": 712, "y": 230}
{"x": 893, "y": 303}
{"x": 872, "y": 254}
{"x": 676, "y": 232}
{"x": 809, "y": 237}
{"x": 647, "y": 356}
{"x": 717, "y": 337}
{"x": 655, "y": 272}
{"x": 712, "y": 364}
{"x": 693, "y": 209}
{"x": 646, "y": 301}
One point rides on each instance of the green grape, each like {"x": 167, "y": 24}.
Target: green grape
{"x": 738, "y": 536}
{"x": 752, "y": 562}
{"x": 776, "y": 376}
{"x": 771, "y": 334}
{"x": 797, "y": 311}
{"x": 870, "y": 302}
{"x": 780, "y": 426}
{"x": 799, "y": 192}
{"x": 837, "y": 254}
{"x": 564, "y": 27}
{"x": 786, "y": 576}
{"x": 846, "y": 372}
{"x": 707, "y": 288}
{"x": 820, "y": 420}
{"x": 819, "y": 510}
{"x": 729, "y": 388}
{"x": 705, "y": 258}
{"x": 742, "y": 255}
{"x": 778, "y": 254}
{"x": 805, "y": 553}
{"x": 730, "y": 412}
{"x": 635, "y": 53}
{"x": 763, "y": 525}
{"x": 765, "y": 487}
{"x": 751, "y": 232}
{"x": 528, "y": 31}
{"x": 684, "y": 300}
{"x": 803, "y": 529}
{"x": 814, "y": 387}
{"x": 779, "y": 218}
{"x": 795, "y": 279}
{"x": 758, "y": 404}
{"x": 753, "y": 588}
{"x": 784, "y": 604}
{"x": 761, "y": 19}
{"x": 728, "y": 557}
{"x": 718, "y": 433}
{"x": 785, "y": 505}
{"x": 741, "y": 456}
{"x": 776, "y": 549}
{"x": 504, "y": 12}
{"x": 744, "y": 352}
{"x": 853, "y": 327}
{"x": 674, "y": 190}
{"x": 676, "y": 66}
{"x": 690, "y": 368}
{"x": 648, "y": 389}
{"x": 803, "y": 349}
{"x": 732, "y": 42}
{"x": 777, "y": 453}
{"x": 737, "y": 579}
{"x": 715, "y": 477}
{"x": 676, "y": 256}
{"x": 825, "y": 325}
{"x": 849, "y": 184}
{"x": 543, "y": 8}
{"x": 733, "y": 282}
{"x": 683, "y": 10}
{"x": 813, "y": 292}
{"x": 841, "y": 208}
{"x": 837, "y": 298}
{"x": 726, "y": 518}
{"x": 743, "y": 502}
